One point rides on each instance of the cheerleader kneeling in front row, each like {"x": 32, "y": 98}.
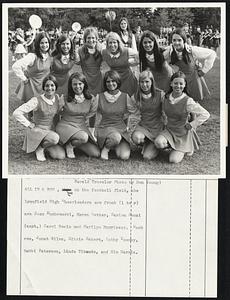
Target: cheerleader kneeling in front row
{"x": 180, "y": 134}
{"x": 114, "y": 105}
{"x": 149, "y": 103}
{"x": 72, "y": 128}
{"x": 40, "y": 136}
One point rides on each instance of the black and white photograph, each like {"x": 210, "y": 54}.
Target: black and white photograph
{"x": 114, "y": 139}
{"x": 110, "y": 89}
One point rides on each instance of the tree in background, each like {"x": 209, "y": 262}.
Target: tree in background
{"x": 147, "y": 18}
{"x": 204, "y": 17}
{"x": 180, "y": 16}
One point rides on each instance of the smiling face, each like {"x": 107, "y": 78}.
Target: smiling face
{"x": 77, "y": 86}
{"x": 178, "y": 85}
{"x": 113, "y": 45}
{"x": 49, "y": 89}
{"x": 111, "y": 84}
{"x": 91, "y": 40}
{"x": 177, "y": 42}
{"x": 65, "y": 47}
{"x": 145, "y": 85}
{"x": 44, "y": 45}
{"x": 148, "y": 44}
{"x": 123, "y": 25}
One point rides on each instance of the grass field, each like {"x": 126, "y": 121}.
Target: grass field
{"x": 204, "y": 161}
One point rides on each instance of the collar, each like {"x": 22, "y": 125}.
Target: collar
{"x": 48, "y": 101}
{"x": 172, "y": 99}
{"x": 150, "y": 57}
{"x": 91, "y": 50}
{"x": 112, "y": 98}
{"x": 187, "y": 47}
{"x": 125, "y": 33}
{"x": 115, "y": 55}
{"x": 146, "y": 96}
{"x": 179, "y": 54}
{"x": 65, "y": 59}
{"x": 79, "y": 98}
{"x": 44, "y": 55}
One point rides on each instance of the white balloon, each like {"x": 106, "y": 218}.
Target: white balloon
{"x": 35, "y": 21}
{"x": 110, "y": 15}
{"x": 76, "y": 26}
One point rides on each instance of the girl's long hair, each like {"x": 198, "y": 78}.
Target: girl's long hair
{"x": 158, "y": 54}
{"x": 178, "y": 74}
{"x": 85, "y": 52}
{"x": 71, "y": 93}
{"x": 145, "y": 74}
{"x": 128, "y": 28}
{"x": 185, "y": 54}
{"x": 38, "y": 39}
{"x": 57, "y": 51}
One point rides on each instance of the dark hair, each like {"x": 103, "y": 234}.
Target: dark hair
{"x": 38, "y": 39}
{"x": 49, "y": 77}
{"x": 58, "y": 52}
{"x": 185, "y": 54}
{"x": 128, "y": 29}
{"x": 158, "y": 54}
{"x": 178, "y": 74}
{"x": 81, "y": 78}
{"x": 113, "y": 75}
{"x": 144, "y": 74}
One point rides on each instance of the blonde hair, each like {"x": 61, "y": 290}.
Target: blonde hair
{"x": 145, "y": 74}
{"x": 88, "y": 31}
{"x": 85, "y": 53}
{"x": 116, "y": 37}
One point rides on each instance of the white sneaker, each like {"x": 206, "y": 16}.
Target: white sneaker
{"x": 189, "y": 153}
{"x": 40, "y": 155}
{"x": 69, "y": 151}
{"x": 105, "y": 153}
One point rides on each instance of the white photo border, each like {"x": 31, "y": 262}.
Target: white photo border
{"x": 223, "y": 104}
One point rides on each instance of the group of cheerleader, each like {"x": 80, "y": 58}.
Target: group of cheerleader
{"x": 163, "y": 97}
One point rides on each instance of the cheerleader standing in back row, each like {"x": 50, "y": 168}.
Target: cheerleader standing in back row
{"x": 180, "y": 134}
{"x": 149, "y": 102}
{"x": 33, "y": 68}
{"x": 63, "y": 62}
{"x": 151, "y": 57}
{"x": 40, "y": 135}
{"x": 91, "y": 59}
{"x": 187, "y": 59}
